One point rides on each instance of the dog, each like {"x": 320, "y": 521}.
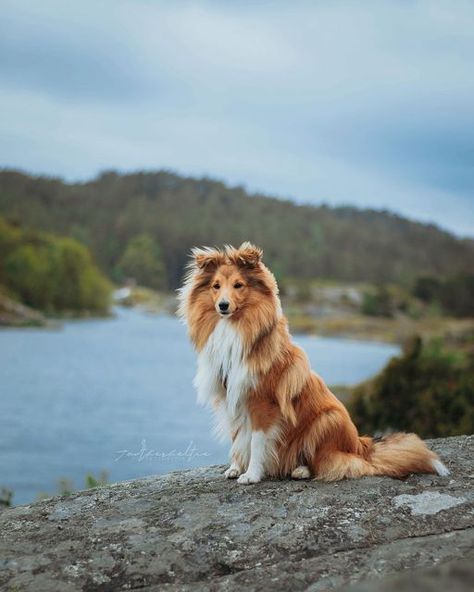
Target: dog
{"x": 280, "y": 416}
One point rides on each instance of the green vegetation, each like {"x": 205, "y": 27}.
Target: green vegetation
{"x": 49, "y": 273}
{"x": 428, "y": 390}
{"x": 455, "y": 295}
{"x": 391, "y": 301}
{"x": 6, "y": 496}
{"x": 143, "y": 261}
{"x": 143, "y": 225}
{"x": 66, "y": 486}
{"x": 100, "y": 481}
{"x": 378, "y": 303}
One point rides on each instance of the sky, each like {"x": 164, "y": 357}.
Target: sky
{"x": 363, "y": 103}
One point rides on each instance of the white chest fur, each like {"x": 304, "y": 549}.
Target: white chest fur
{"x": 222, "y": 362}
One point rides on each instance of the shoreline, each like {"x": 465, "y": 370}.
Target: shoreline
{"x": 355, "y": 327}
{"x": 364, "y": 328}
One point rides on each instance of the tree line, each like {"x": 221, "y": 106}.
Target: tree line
{"x": 143, "y": 225}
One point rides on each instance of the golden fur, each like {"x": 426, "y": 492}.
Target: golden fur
{"x": 314, "y": 427}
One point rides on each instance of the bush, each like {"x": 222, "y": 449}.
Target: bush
{"x": 50, "y": 273}
{"x": 427, "y": 288}
{"x": 428, "y": 390}
{"x": 6, "y": 496}
{"x": 457, "y": 296}
{"x": 454, "y": 295}
{"x": 378, "y": 303}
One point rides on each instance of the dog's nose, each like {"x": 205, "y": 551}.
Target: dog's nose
{"x": 223, "y": 306}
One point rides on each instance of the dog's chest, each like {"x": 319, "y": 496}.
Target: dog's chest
{"x": 223, "y": 357}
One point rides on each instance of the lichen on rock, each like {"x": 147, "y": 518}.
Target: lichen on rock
{"x": 194, "y": 530}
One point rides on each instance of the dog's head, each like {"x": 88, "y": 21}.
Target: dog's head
{"x": 232, "y": 276}
{"x": 229, "y": 281}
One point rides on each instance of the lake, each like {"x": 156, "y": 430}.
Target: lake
{"x": 117, "y": 395}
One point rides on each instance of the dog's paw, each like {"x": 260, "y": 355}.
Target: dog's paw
{"x": 301, "y": 473}
{"x": 248, "y": 478}
{"x": 232, "y": 473}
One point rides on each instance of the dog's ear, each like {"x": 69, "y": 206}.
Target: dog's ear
{"x": 206, "y": 258}
{"x": 249, "y": 255}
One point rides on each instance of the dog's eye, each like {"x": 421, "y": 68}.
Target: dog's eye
{"x": 216, "y": 286}
{"x": 238, "y": 285}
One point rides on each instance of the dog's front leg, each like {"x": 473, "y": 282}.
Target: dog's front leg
{"x": 240, "y": 450}
{"x": 255, "y": 471}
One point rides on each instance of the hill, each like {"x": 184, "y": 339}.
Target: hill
{"x": 143, "y": 225}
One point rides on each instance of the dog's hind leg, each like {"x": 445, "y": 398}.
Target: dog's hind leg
{"x": 342, "y": 465}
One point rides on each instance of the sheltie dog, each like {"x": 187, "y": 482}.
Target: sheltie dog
{"x": 280, "y": 416}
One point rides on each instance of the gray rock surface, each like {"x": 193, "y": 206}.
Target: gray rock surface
{"x": 194, "y": 530}
{"x": 453, "y": 576}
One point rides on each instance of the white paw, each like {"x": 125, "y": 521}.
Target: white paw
{"x": 248, "y": 478}
{"x": 232, "y": 473}
{"x": 301, "y": 473}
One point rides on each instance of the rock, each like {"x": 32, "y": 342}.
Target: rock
{"x": 15, "y": 314}
{"x": 194, "y": 530}
{"x": 428, "y": 502}
{"x": 457, "y": 576}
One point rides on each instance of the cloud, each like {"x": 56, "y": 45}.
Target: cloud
{"x": 340, "y": 102}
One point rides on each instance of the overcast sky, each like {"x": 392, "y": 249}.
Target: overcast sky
{"x": 365, "y": 103}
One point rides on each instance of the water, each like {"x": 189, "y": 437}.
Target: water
{"x": 117, "y": 395}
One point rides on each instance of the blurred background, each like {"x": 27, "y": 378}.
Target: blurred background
{"x": 336, "y": 135}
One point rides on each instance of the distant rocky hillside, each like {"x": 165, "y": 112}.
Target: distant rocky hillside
{"x": 195, "y": 531}
{"x": 143, "y": 225}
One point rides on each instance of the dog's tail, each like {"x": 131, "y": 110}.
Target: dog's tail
{"x": 396, "y": 455}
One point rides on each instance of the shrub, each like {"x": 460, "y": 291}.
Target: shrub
{"x": 429, "y": 390}
{"x": 50, "y": 273}
{"x": 378, "y": 303}
{"x": 454, "y": 295}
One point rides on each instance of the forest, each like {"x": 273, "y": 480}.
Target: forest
{"x": 142, "y": 225}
